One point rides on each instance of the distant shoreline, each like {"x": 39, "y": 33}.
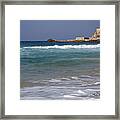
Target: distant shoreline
{"x": 94, "y": 38}
{"x": 60, "y": 41}
{"x": 77, "y": 41}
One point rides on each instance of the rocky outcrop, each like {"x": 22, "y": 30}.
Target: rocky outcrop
{"x": 51, "y": 40}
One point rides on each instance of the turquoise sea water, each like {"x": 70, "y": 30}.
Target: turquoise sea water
{"x": 59, "y": 70}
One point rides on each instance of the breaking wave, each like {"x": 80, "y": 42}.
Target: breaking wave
{"x": 65, "y": 46}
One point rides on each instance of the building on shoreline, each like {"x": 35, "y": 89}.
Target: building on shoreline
{"x": 81, "y": 37}
{"x": 94, "y": 38}
{"x": 96, "y": 34}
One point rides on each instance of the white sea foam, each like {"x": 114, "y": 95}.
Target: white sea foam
{"x": 65, "y": 78}
{"x": 55, "y": 80}
{"x": 97, "y": 83}
{"x": 68, "y": 96}
{"x": 92, "y": 90}
{"x": 81, "y": 92}
{"x": 75, "y": 78}
{"x": 65, "y": 46}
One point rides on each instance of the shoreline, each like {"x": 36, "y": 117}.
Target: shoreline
{"x": 74, "y": 41}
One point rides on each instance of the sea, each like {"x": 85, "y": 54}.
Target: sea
{"x": 59, "y": 70}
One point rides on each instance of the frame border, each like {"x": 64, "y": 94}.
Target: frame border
{"x": 55, "y": 2}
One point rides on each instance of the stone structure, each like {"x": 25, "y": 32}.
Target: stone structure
{"x": 95, "y": 38}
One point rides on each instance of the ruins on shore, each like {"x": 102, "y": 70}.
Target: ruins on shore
{"x": 94, "y": 38}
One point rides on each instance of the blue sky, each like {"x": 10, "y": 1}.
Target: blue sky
{"x": 56, "y": 29}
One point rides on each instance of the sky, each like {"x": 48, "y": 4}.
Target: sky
{"x": 56, "y": 29}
